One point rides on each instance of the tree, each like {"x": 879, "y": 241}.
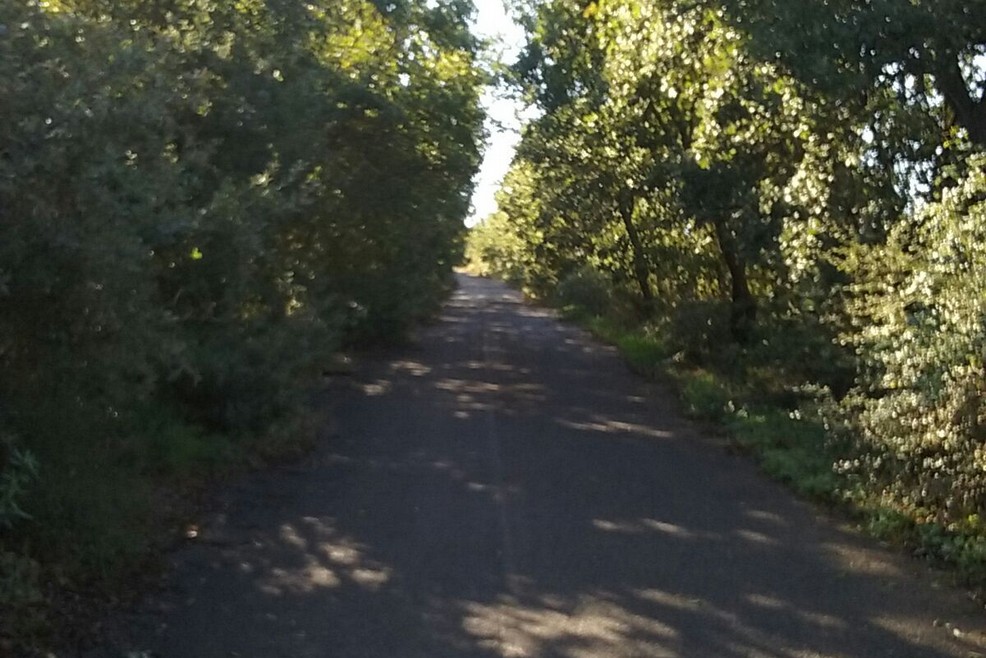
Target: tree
{"x": 923, "y": 52}
{"x": 199, "y": 203}
{"x": 669, "y": 129}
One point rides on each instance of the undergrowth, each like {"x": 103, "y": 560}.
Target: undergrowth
{"x": 95, "y": 516}
{"x": 756, "y": 406}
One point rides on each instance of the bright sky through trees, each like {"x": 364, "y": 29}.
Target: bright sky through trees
{"x": 494, "y": 22}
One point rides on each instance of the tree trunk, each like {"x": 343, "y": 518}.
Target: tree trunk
{"x": 640, "y": 270}
{"x": 743, "y": 312}
{"x": 970, "y": 113}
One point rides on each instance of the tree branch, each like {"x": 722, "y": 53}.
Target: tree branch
{"x": 969, "y": 113}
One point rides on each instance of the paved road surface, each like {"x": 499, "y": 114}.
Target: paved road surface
{"x": 506, "y": 488}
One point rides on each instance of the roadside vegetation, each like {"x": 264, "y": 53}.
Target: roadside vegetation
{"x": 200, "y": 203}
{"x": 782, "y": 206}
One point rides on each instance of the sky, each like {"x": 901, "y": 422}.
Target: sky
{"x": 503, "y": 123}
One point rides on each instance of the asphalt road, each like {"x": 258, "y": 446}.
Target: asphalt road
{"x": 506, "y": 488}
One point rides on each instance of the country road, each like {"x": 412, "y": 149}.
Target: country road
{"x": 506, "y": 488}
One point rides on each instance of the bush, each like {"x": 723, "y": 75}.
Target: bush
{"x": 18, "y": 470}
{"x": 587, "y": 291}
{"x": 917, "y": 420}
{"x": 706, "y": 397}
{"x": 19, "y": 574}
{"x": 699, "y": 330}
{"x": 791, "y": 448}
{"x": 193, "y": 204}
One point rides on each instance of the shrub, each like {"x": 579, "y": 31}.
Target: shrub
{"x": 700, "y": 328}
{"x": 18, "y": 470}
{"x": 917, "y": 419}
{"x": 705, "y": 396}
{"x": 19, "y": 574}
{"x": 586, "y": 290}
{"x": 193, "y": 202}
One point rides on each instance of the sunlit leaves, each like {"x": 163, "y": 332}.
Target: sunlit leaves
{"x": 194, "y": 186}
{"x": 918, "y": 414}
{"x": 915, "y": 51}
{"x": 807, "y": 159}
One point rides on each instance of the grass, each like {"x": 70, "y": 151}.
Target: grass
{"x": 752, "y": 406}
{"x": 790, "y": 449}
{"x": 111, "y": 496}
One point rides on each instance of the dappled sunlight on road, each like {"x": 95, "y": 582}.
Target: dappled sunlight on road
{"x": 412, "y": 368}
{"x": 325, "y": 562}
{"x": 642, "y": 526}
{"x": 873, "y": 564}
{"x": 596, "y": 628}
{"x": 765, "y": 517}
{"x": 505, "y": 489}
{"x": 609, "y": 426}
{"x": 650, "y": 622}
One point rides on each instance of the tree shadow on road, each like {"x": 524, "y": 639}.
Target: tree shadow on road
{"x": 506, "y": 488}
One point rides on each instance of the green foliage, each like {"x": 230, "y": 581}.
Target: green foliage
{"x": 645, "y": 352}
{"x": 587, "y": 289}
{"x": 201, "y": 202}
{"x": 705, "y": 396}
{"x": 790, "y": 212}
{"x": 700, "y": 329}
{"x": 18, "y": 470}
{"x": 19, "y": 580}
{"x": 919, "y": 52}
{"x": 510, "y": 244}
{"x": 917, "y": 414}
{"x": 965, "y": 548}
{"x": 791, "y": 448}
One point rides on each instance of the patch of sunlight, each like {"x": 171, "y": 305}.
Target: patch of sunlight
{"x": 615, "y": 427}
{"x": 496, "y": 367}
{"x": 327, "y": 561}
{"x": 769, "y": 602}
{"x": 311, "y": 577}
{"x": 770, "y": 517}
{"x": 860, "y": 561}
{"x": 670, "y": 600}
{"x": 371, "y": 579}
{"x": 454, "y": 471}
{"x": 466, "y": 386}
{"x": 823, "y": 620}
{"x": 411, "y": 367}
{"x": 467, "y": 394}
{"x": 341, "y": 554}
{"x": 756, "y": 538}
{"x": 641, "y": 526}
{"x": 595, "y": 628}
{"x": 289, "y": 535}
{"x": 818, "y": 619}
{"x": 623, "y": 527}
{"x": 454, "y": 319}
{"x": 904, "y": 627}
{"x": 531, "y": 311}
{"x": 669, "y": 529}
{"x": 377, "y": 388}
